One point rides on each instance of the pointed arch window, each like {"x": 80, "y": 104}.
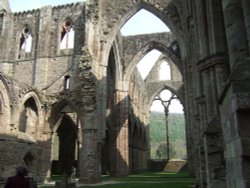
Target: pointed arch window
{"x": 67, "y": 35}
{"x": 165, "y": 71}
{"x": 26, "y": 40}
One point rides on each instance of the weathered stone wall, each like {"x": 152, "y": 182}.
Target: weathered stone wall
{"x": 46, "y": 66}
{"x": 45, "y": 56}
{"x": 212, "y": 61}
{"x": 216, "y": 53}
{"x": 143, "y": 44}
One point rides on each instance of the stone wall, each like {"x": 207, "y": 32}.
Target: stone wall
{"x": 101, "y": 85}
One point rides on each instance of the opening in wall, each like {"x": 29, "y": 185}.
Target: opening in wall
{"x": 25, "y": 44}
{"x": 67, "y": 36}
{"x": 66, "y": 82}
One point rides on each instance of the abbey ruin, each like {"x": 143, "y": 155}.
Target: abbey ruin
{"x": 86, "y": 96}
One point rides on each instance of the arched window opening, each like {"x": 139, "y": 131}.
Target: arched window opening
{"x": 67, "y": 82}
{"x": 26, "y": 40}
{"x": 137, "y": 25}
{"x": 147, "y": 62}
{"x": 29, "y": 117}
{"x": 166, "y": 116}
{"x": 67, "y": 35}
{"x": 165, "y": 71}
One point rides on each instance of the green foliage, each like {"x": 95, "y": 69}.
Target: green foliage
{"x": 177, "y": 135}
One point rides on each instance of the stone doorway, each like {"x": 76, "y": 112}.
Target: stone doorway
{"x": 65, "y": 146}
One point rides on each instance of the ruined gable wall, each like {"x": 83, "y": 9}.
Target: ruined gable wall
{"x": 46, "y": 65}
{"x": 114, "y": 12}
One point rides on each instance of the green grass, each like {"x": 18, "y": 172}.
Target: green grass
{"x": 147, "y": 180}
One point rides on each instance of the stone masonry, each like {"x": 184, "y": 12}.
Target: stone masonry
{"x": 69, "y": 83}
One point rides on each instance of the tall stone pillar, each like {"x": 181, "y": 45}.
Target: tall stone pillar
{"x": 235, "y": 31}
{"x": 89, "y": 157}
{"x": 246, "y": 11}
{"x": 235, "y": 100}
{"x": 84, "y": 97}
{"x": 120, "y": 147}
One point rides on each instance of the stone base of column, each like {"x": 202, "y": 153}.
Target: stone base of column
{"x": 93, "y": 178}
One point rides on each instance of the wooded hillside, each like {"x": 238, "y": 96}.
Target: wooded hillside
{"x": 177, "y": 136}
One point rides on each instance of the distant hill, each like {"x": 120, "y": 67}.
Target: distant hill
{"x": 177, "y": 135}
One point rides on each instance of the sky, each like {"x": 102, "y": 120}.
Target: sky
{"x": 135, "y": 25}
{"x": 21, "y": 5}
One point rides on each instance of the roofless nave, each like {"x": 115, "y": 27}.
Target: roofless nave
{"x": 90, "y": 98}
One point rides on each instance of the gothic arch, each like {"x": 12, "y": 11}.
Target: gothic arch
{"x": 5, "y": 109}
{"x": 129, "y": 14}
{"x": 177, "y": 93}
{"x": 154, "y": 74}
{"x": 152, "y": 8}
{"x": 56, "y": 113}
{"x": 114, "y": 55}
{"x": 150, "y": 46}
{"x": 32, "y": 103}
{"x": 65, "y": 126}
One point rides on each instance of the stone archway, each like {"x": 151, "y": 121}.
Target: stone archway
{"x": 65, "y": 140}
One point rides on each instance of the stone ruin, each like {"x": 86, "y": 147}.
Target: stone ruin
{"x": 71, "y": 95}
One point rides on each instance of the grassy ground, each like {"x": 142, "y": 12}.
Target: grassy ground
{"x": 147, "y": 180}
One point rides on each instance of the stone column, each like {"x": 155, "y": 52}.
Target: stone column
{"x": 246, "y": 12}
{"x": 235, "y": 31}
{"x": 89, "y": 158}
{"x": 234, "y": 110}
{"x": 120, "y": 147}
